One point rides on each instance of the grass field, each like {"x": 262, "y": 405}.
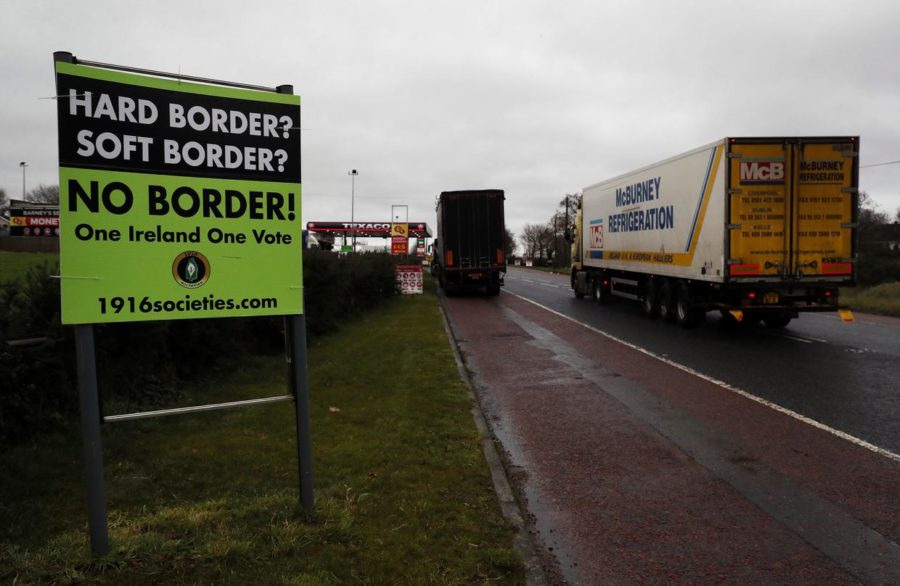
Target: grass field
{"x": 14, "y": 264}
{"x": 403, "y": 495}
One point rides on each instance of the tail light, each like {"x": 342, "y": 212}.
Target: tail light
{"x": 501, "y": 258}
{"x": 449, "y": 258}
{"x": 749, "y": 298}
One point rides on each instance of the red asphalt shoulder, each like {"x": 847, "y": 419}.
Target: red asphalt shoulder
{"x": 615, "y": 496}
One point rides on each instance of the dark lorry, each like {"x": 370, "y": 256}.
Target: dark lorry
{"x": 469, "y": 251}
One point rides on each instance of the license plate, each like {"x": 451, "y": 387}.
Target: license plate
{"x": 770, "y": 298}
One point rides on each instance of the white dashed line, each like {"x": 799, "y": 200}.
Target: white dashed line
{"x": 795, "y": 338}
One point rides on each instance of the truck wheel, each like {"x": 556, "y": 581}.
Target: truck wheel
{"x": 686, "y": 315}
{"x": 598, "y": 294}
{"x": 579, "y": 293}
{"x": 667, "y": 301}
{"x": 649, "y": 303}
{"x": 493, "y": 290}
{"x": 777, "y": 321}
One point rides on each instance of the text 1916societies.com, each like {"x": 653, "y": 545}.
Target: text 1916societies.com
{"x": 185, "y": 305}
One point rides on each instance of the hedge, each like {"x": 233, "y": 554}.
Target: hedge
{"x": 145, "y": 363}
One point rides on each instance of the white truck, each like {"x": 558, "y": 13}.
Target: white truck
{"x": 757, "y": 228}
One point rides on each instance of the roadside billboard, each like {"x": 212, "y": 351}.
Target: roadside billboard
{"x": 33, "y": 220}
{"x": 177, "y": 199}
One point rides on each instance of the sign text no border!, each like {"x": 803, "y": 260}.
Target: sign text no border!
{"x": 177, "y": 199}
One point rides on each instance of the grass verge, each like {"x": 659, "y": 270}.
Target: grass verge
{"x": 402, "y": 491}
{"x": 882, "y": 299}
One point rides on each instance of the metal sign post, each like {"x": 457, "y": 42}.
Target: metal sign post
{"x": 91, "y": 418}
{"x": 296, "y": 324}
{"x": 90, "y": 431}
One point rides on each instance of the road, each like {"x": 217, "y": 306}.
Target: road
{"x": 644, "y": 453}
{"x": 845, "y": 376}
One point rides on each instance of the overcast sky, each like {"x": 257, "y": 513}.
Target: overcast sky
{"x": 536, "y": 98}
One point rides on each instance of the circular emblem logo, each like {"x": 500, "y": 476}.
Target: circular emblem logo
{"x": 191, "y": 269}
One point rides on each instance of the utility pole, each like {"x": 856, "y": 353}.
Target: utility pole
{"x": 352, "y": 175}
{"x": 23, "y": 164}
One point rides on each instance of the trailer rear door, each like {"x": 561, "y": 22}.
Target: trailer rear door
{"x": 791, "y": 208}
{"x": 472, "y": 227}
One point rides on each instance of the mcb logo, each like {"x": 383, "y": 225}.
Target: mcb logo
{"x": 597, "y": 236}
{"x": 762, "y": 172}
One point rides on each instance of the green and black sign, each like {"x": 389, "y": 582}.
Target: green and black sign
{"x": 177, "y": 199}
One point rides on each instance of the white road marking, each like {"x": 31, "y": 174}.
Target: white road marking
{"x": 835, "y": 432}
{"x": 861, "y": 320}
{"x": 804, "y": 340}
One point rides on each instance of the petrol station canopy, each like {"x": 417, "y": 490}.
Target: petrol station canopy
{"x": 367, "y": 229}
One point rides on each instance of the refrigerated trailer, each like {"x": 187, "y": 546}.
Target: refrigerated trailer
{"x": 471, "y": 232}
{"x": 757, "y": 228}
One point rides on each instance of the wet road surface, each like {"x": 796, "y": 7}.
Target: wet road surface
{"x": 845, "y": 376}
{"x": 635, "y": 470}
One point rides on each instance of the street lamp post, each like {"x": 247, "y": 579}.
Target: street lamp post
{"x": 352, "y": 175}
{"x": 23, "y": 164}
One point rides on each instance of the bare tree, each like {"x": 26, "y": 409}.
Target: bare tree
{"x": 545, "y": 241}
{"x": 562, "y": 224}
{"x": 44, "y": 194}
{"x": 569, "y": 206}
{"x": 536, "y": 240}
{"x": 558, "y": 244}
{"x": 4, "y": 199}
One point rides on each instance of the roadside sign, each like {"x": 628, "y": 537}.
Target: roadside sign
{"x": 178, "y": 199}
{"x": 409, "y": 277}
{"x": 400, "y": 229}
{"x": 399, "y": 246}
{"x": 29, "y": 220}
{"x": 399, "y": 238}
